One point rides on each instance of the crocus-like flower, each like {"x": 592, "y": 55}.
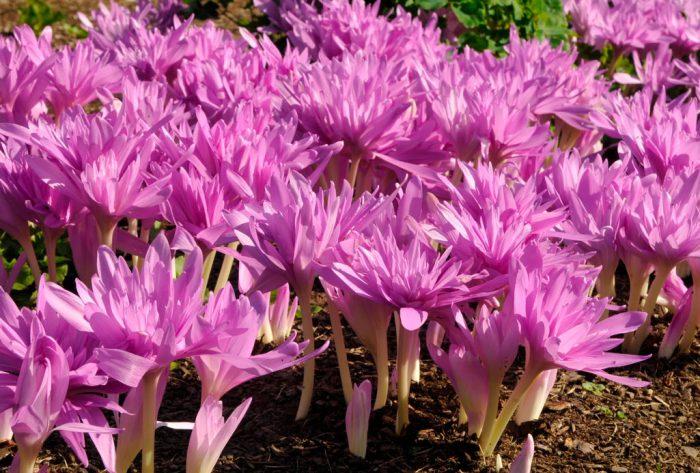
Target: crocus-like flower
{"x": 86, "y": 385}
{"x": 477, "y": 362}
{"x": 656, "y": 73}
{"x": 661, "y": 226}
{"x": 144, "y": 321}
{"x": 78, "y": 74}
{"x": 211, "y": 434}
{"x": 284, "y": 239}
{"x": 24, "y": 64}
{"x": 594, "y": 194}
{"x": 344, "y": 27}
{"x": 561, "y": 328}
{"x": 99, "y": 161}
{"x": 365, "y": 103}
{"x": 523, "y": 462}
{"x": 660, "y": 136}
{"x": 414, "y": 281}
{"x": 280, "y": 316}
{"x": 490, "y": 220}
{"x": 41, "y": 390}
{"x": 238, "y": 322}
{"x": 357, "y": 418}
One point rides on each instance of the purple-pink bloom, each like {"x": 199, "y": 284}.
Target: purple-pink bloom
{"x": 357, "y": 418}
{"x": 211, "y": 434}
{"x": 490, "y": 218}
{"x": 523, "y": 462}
{"x": 98, "y": 161}
{"x": 24, "y": 64}
{"x": 238, "y": 322}
{"x": 76, "y": 395}
{"x": 78, "y": 74}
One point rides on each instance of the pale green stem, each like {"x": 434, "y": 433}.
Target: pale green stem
{"x": 206, "y": 272}
{"x": 492, "y": 408}
{"x": 634, "y": 343}
{"x": 693, "y": 323}
{"x": 107, "y": 233}
{"x": 225, "y": 273}
{"x": 637, "y": 283}
{"x": 266, "y": 330}
{"x": 606, "y": 280}
{"x": 145, "y": 236}
{"x": 529, "y": 376}
{"x": 382, "y": 362}
{"x": 50, "y": 241}
{"x": 354, "y": 167}
{"x": 462, "y": 415}
{"x": 27, "y": 459}
{"x": 134, "y": 231}
{"x": 26, "y": 243}
{"x": 307, "y": 326}
{"x": 456, "y": 175}
{"x": 405, "y": 340}
{"x": 339, "y": 340}
{"x": 149, "y": 417}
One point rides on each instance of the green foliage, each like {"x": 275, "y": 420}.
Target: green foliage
{"x": 595, "y": 388}
{"x": 488, "y": 22}
{"x": 605, "y": 410}
{"x": 38, "y": 14}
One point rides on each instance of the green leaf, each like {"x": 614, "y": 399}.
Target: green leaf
{"x": 430, "y": 4}
{"x": 594, "y": 388}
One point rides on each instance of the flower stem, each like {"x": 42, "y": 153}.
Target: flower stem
{"x": 134, "y": 231}
{"x": 225, "y": 271}
{"x": 492, "y": 408}
{"x": 26, "y": 243}
{"x": 693, "y": 323}
{"x": 50, "y": 241}
{"x": 634, "y": 343}
{"x": 107, "y": 229}
{"x": 382, "y": 362}
{"x": 462, "y": 415}
{"x": 489, "y": 445}
{"x": 27, "y": 459}
{"x": 266, "y": 330}
{"x": 354, "y": 167}
{"x": 307, "y": 326}
{"x": 206, "y": 272}
{"x": 338, "y": 339}
{"x": 637, "y": 282}
{"x": 606, "y": 283}
{"x": 149, "y": 415}
{"x": 406, "y": 341}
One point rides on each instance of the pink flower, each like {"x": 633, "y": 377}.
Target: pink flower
{"x": 211, "y": 434}
{"x": 523, "y": 462}
{"x": 24, "y": 64}
{"x": 98, "y": 161}
{"x": 357, "y": 418}
{"x": 78, "y": 74}
{"x": 238, "y": 322}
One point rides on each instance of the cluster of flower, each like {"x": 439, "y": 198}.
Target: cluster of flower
{"x": 467, "y": 196}
{"x": 666, "y": 32}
